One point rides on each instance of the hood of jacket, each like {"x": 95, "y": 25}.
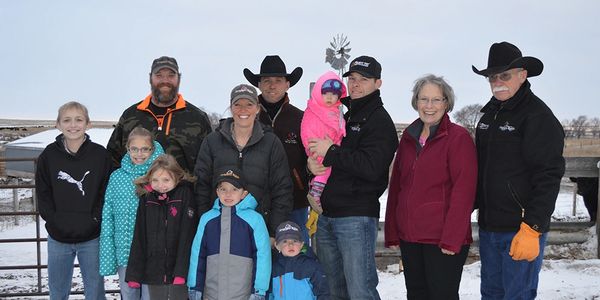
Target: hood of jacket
{"x": 60, "y": 144}
{"x": 131, "y": 168}
{"x": 332, "y": 116}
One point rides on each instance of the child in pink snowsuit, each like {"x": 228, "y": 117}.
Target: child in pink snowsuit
{"x": 323, "y": 118}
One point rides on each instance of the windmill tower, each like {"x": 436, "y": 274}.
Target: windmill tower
{"x": 337, "y": 55}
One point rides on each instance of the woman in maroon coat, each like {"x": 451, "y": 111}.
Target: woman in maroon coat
{"x": 431, "y": 195}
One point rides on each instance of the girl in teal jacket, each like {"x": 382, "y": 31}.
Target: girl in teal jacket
{"x": 120, "y": 208}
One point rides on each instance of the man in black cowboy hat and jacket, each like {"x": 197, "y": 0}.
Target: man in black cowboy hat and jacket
{"x": 277, "y": 112}
{"x": 519, "y": 146}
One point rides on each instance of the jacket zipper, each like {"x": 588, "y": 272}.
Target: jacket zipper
{"x": 487, "y": 158}
{"x": 166, "y": 211}
{"x": 516, "y": 199}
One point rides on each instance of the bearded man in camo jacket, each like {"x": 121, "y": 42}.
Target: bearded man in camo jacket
{"x": 179, "y": 126}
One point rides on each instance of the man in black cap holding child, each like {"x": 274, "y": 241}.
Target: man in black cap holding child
{"x": 347, "y": 229}
{"x": 519, "y": 149}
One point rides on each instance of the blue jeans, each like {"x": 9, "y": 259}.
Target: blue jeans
{"x": 300, "y": 216}
{"x": 61, "y": 258}
{"x": 501, "y": 276}
{"x": 346, "y": 249}
{"x": 128, "y": 293}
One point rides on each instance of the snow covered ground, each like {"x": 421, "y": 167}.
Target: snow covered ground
{"x": 560, "y": 279}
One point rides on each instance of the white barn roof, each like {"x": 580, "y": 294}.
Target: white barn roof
{"x": 44, "y": 138}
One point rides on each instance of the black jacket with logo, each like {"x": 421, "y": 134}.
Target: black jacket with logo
{"x": 519, "y": 149}
{"x": 360, "y": 165}
{"x": 70, "y": 190}
{"x": 165, "y": 226}
{"x": 286, "y": 125}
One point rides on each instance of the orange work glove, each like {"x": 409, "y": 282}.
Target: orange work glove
{"x": 311, "y": 223}
{"x": 525, "y": 244}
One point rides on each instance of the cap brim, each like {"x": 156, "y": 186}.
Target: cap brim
{"x": 293, "y": 77}
{"x": 365, "y": 74}
{"x": 533, "y": 66}
{"x": 232, "y": 181}
{"x": 236, "y": 98}
{"x": 155, "y": 70}
{"x": 289, "y": 236}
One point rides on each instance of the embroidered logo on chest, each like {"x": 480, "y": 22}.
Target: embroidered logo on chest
{"x": 68, "y": 178}
{"x": 507, "y": 127}
{"x": 483, "y": 126}
{"x": 355, "y": 127}
{"x": 291, "y": 138}
{"x": 173, "y": 211}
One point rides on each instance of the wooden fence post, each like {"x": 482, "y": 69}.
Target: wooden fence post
{"x": 16, "y": 204}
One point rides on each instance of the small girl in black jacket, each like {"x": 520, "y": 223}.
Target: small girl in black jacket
{"x": 164, "y": 229}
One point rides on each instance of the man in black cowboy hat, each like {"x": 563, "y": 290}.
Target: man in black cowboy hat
{"x": 347, "y": 229}
{"x": 277, "y": 112}
{"x": 519, "y": 145}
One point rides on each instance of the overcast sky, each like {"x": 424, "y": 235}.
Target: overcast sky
{"x": 100, "y": 52}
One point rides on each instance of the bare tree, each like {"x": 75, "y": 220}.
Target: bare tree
{"x": 214, "y": 118}
{"x": 578, "y": 126}
{"x": 468, "y": 117}
{"x": 566, "y": 124}
{"x": 595, "y": 125}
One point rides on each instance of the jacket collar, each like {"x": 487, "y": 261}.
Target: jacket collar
{"x": 415, "y": 128}
{"x": 360, "y": 109}
{"x": 249, "y": 202}
{"x": 258, "y": 131}
{"x": 146, "y": 102}
{"x": 509, "y": 104}
{"x": 272, "y": 110}
{"x": 140, "y": 170}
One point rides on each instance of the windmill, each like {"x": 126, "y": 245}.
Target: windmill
{"x": 337, "y": 55}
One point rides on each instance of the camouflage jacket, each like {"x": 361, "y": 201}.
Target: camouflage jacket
{"x": 180, "y": 131}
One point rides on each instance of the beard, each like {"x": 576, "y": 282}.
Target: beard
{"x": 165, "y": 98}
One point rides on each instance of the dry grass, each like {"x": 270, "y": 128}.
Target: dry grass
{"x": 584, "y": 147}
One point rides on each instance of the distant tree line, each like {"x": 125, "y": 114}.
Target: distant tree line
{"x": 579, "y": 127}
{"x": 582, "y": 127}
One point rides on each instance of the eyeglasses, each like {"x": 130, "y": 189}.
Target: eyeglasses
{"x": 140, "y": 150}
{"x": 504, "y": 76}
{"x": 434, "y": 101}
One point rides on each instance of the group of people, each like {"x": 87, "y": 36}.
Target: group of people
{"x": 180, "y": 211}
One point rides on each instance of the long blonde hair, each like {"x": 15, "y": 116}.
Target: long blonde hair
{"x": 165, "y": 162}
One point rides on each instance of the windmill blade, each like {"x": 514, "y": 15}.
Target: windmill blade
{"x": 346, "y": 56}
{"x": 346, "y": 44}
{"x": 329, "y": 55}
{"x": 332, "y": 45}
